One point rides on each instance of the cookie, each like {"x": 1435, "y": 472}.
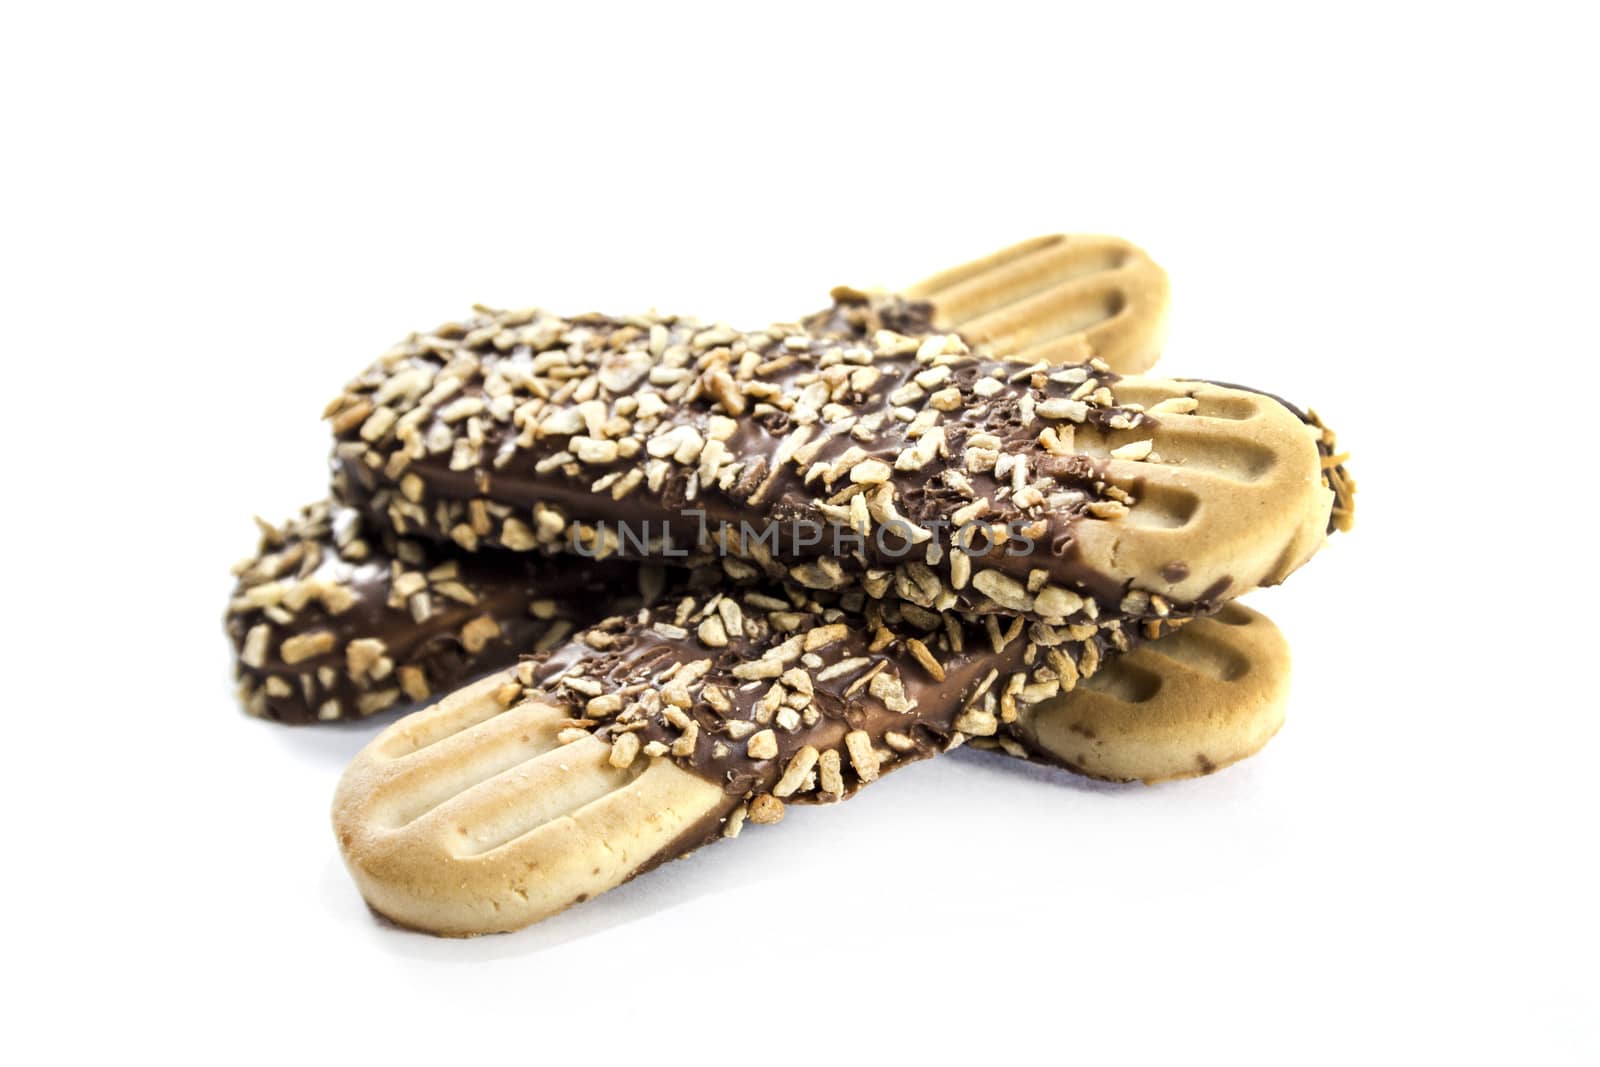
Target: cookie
{"x": 645, "y": 737}
{"x": 908, "y": 467}
{"x": 650, "y": 736}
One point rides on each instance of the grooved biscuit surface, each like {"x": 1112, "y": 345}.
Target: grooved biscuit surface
{"x": 1197, "y": 700}
{"x": 1063, "y": 298}
{"x": 467, "y": 818}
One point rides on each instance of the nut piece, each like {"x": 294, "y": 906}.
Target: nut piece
{"x": 304, "y": 646}
{"x": 757, "y": 669}
{"x": 960, "y": 569}
{"x": 830, "y": 779}
{"x": 870, "y": 472}
{"x": 414, "y": 682}
{"x": 1056, "y": 602}
{"x": 1003, "y": 590}
{"x": 684, "y": 745}
{"x": 712, "y": 632}
{"x": 977, "y": 722}
{"x": 863, "y": 757}
{"x": 762, "y": 745}
{"x": 1063, "y": 408}
{"x": 362, "y": 654}
{"x": 623, "y": 750}
{"x": 795, "y": 774}
{"x": 589, "y": 450}
{"x": 766, "y": 809}
{"x": 478, "y": 633}
{"x": 254, "y": 652}
{"x": 920, "y": 652}
{"x": 823, "y": 636}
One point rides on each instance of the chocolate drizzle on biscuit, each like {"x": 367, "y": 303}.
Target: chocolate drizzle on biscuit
{"x": 780, "y": 697}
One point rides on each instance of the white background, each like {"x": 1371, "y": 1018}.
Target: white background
{"x": 213, "y": 215}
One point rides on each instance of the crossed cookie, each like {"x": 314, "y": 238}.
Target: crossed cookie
{"x": 1034, "y": 555}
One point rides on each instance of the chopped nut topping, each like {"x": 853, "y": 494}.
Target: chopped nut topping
{"x": 363, "y": 654}
{"x": 863, "y": 757}
{"x": 414, "y": 683}
{"x": 758, "y": 669}
{"x": 823, "y": 636}
{"x": 924, "y": 657}
{"x": 763, "y": 745}
{"x": 624, "y": 749}
{"x": 899, "y": 742}
{"x": 479, "y": 632}
{"x": 1062, "y": 408}
{"x": 830, "y": 779}
{"x": 1003, "y": 590}
{"x": 304, "y": 646}
{"x": 796, "y": 773}
{"x": 766, "y": 809}
{"x": 254, "y": 651}
{"x": 977, "y": 722}
{"x": 870, "y": 472}
{"x": 712, "y": 633}
{"x": 685, "y": 744}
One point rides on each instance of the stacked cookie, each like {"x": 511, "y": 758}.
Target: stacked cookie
{"x": 718, "y": 572}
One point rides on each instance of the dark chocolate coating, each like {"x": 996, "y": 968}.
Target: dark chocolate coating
{"x": 324, "y": 573}
{"x": 812, "y": 676}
